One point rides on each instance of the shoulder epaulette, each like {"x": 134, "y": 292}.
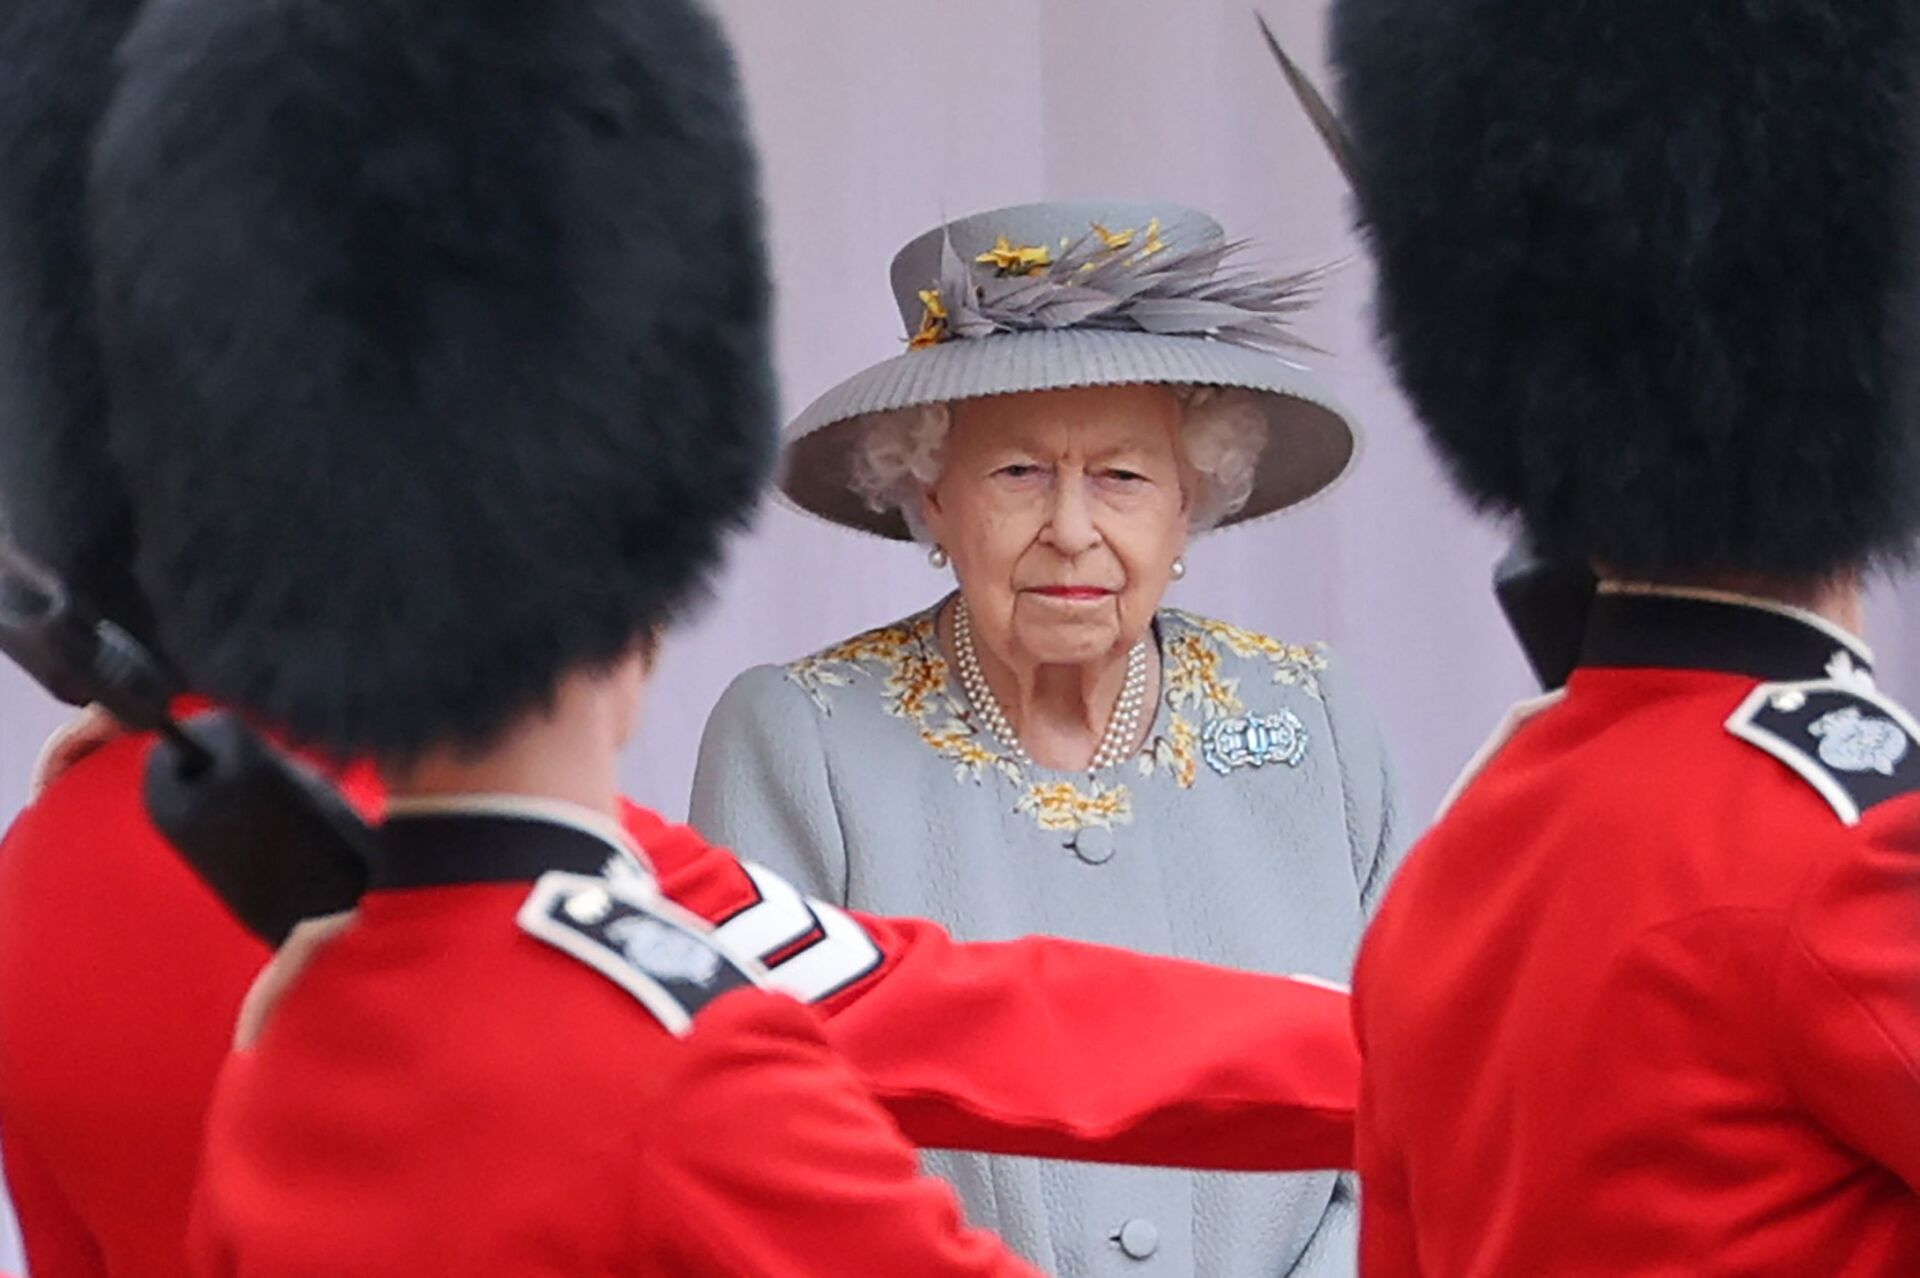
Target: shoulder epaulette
{"x": 665, "y": 957}
{"x": 1854, "y": 745}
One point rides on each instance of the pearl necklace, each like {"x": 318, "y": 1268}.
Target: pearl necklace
{"x": 1123, "y": 728}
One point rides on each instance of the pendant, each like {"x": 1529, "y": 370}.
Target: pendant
{"x": 1253, "y": 741}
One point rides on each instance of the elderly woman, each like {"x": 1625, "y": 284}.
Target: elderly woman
{"x": 1049, "y": 749}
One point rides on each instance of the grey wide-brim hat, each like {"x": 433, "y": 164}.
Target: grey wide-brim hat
{"x": 1310, "y": 442}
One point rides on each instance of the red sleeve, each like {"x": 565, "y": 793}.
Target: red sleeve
{"x": 767, "y": 1159}
{"x": 1849, "y": 992}
{"x": 1044, "y": 1047}
{"x": 58, "y": 1244}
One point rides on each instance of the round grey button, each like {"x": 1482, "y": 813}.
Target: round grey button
{"x": 1138, "y": 1238}
{"x": 1094, "y": 845}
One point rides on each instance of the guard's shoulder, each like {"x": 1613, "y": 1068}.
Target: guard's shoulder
{"x": 1516, "y": 718}
{"x": 1856, "y": 746}
{"x": 666, "y": 958}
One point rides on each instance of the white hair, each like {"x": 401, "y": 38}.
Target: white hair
{"x": 1222, "y": 431}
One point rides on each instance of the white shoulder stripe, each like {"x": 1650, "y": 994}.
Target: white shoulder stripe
{"x": 839, "y": 954}
{"x": 777, "y": 920}
{"x": 843, "y": 954}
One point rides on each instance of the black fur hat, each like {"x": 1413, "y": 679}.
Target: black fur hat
{"x": 439, "y": 345}
{"x": 1648, "y": 269}
{"x": 60, "y": 497}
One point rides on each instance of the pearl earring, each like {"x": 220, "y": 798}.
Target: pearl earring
{"x": 1179, "y": 567}
{"x": 937, "y": 557}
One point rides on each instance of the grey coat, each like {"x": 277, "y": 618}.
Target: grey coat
{"x": 861, "y": 774}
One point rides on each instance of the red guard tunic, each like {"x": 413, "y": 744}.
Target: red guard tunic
{"x": 1647, "y": 1000}
{"x": 484, "y": 1074}
{"x": 121, "y": 978}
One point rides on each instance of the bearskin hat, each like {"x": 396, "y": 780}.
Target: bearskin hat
{"x": 438, "y": 340}
{"x": 1647, "y": 270}
{"x": 61, "y": 499}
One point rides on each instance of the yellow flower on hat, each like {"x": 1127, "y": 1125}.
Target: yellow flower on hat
{"x": 1026, "y": 259}
{"x": 933, "y": 321}
{"x": 1154, "y": 243}
{"x": 1114, "y": 240}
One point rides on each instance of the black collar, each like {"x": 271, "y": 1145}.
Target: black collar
{"x": 444, "y": 849}
{"x": 1682, "y": 631}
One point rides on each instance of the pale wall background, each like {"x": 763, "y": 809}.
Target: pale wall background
{"x": 881, "y": 118}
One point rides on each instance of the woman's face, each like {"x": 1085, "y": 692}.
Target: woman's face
{"x": 1062, "y": 512}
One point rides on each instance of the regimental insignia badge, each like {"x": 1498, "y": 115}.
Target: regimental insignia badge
{"x": 668, "y": 959}
{"x": 1854, "y": 742}
{"x": 1253, "y": 741}
{"x": 1843, "y": 737}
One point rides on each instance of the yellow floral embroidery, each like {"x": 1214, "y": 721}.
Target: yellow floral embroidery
{"x": 971, "y": 758}
{"x": 1064, "y": 806}
{"x": 1194, "y": 680}
{"x": 835, "y": 667}
{"x": 913, "y": 681}
{"x": 905, "y": 658}
{"x": 1294, "y": 664}
{"x": 1175, "y": 752}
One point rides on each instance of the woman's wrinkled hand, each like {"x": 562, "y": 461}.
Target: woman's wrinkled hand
{"x": 91, "y": 729}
